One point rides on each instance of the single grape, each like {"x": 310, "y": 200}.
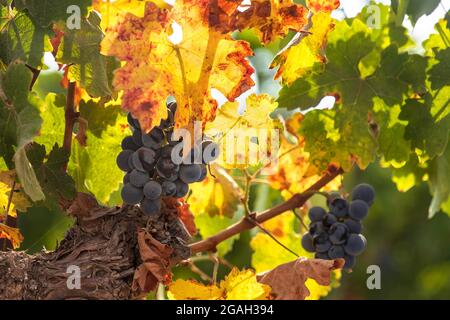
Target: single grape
{"x": 322, "y": 255}
{"x": 338, "y": 233}
{"x": 182, "y": 189}
{"x": 147, "y": 156}
{"x": 149, "y": 141}
{"x": 190, "y": 173}
{"x": 329, "y": 220}
{"x": 139, "y": 178}
{"x": 203, "y": 174}
{"x": 128, "y": 144}
{"x": 355, "y": 245}
{"x": 317, "y": 213}
{"x": 123, "y": 160}
{"x": 136, "y": 162}
{"x": 166, "y": 151}
{"x": 336, "y": 252}
{"x": 169, "y": 188}
{"x": 354, "y": 226}
{"x": 134, "y": 123}
{"x": 151, "y": 207}
{"x": 137, "y": 137}
{"x": 333, "y": 196}
{"x": 358, "y": 209}
{"x": 339, "y": 207}
{"x": 166, "y": 168}
{"x": 211, "y": 151}
{"x": 323, "y": 247}
{"x": 364, "y": 192}
{"x": 126, "y": 178}
{"x": 349, "y": 262}
{"x": 131, "y": 194}
{"x": 316, "y": 228}
{"x": 152, "y": 190}
{"x": 307, "y": 242}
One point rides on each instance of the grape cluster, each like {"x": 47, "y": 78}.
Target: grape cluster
{"x": 337, "y": 233}
{"x": 156, "y": 167}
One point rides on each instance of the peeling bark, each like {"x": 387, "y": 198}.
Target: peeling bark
{"x": 103, "y": 244}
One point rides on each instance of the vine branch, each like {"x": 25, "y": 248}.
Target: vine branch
{"x": 71, "y": 117}
{"x": 244, "y": 224}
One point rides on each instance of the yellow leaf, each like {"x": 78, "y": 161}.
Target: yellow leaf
{"x": 295, "y": 61}
{"x": 323, "y": 5}
{"x": 242, "y": 285}
{"x": 156, "y": 66}
{"x": 238, "y": 285}
{"x": 238, "y": 134}
{"x": 12, "y": 234}
{"x": 215, "y": 196}
{"x": 271, "y": 19}
{"x": 19, "y": 200}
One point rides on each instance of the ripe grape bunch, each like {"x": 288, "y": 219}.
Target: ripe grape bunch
{"x": 337, "y": 233}
{"x": 156, "y": 167}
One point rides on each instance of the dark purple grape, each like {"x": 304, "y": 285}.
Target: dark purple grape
{"x": 157, "y": 135}
{"x": 338, "y": 233}
{"x": 126, "y": 178}
{"x": 349, "y": 262}
{"x": 355, "y": 245}
{"x": 307, "y": 242}
{"x": 364, "y": 192}
{"x": 134, "y": 123}
{"x": 152, "y": 190}
{"x": 166, "y": 151}
{"x": 136, "y": 162}
{"x": 182, "y": 189}
{"x": 150, "y": 142}
{"x": 339, "y": 207}
{"x": 151, "y": 207}
{"x": 316, "y": 214}
{"x": 131, "y": 194}
{"x": 128, "y": 144}
{"x": 336, "y": 252}
{"x": 166, "y": 167}
{"x": 203, "y": 174}
{"x": 333, "y": 196}
{"x": 354, "y": 226}
{"x": 137, "y": 137}
{"x": 329, "y": 220}
{"x": 358, "y": 209}
{"x": 123, "y": 160}
{"x": 322, "y": 255}
{"x": 316, "y": 228}
{"x": 139, "y": 178}
{"x": 190, "y": 173}
{"x": 169, "y": 188}
{"x": 147, "y": 156}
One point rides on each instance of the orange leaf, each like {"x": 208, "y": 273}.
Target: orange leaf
{"x": 323, "y": 5}
{"x": 272, "y": 18}
{"x": 155, "y": 264}
{"x": 12, "y": 234}
{"x": 157, "y": 66}
{"x": 288, "y": 280}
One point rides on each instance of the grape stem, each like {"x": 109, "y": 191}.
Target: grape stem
{"x": 296, "y": 201}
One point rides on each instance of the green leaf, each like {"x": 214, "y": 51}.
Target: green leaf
{"x": 47, "y": 12}
{"x": 50, "y": 171}
{"x": 81, "y": 48}
{"x": 415, "y": 8}
{"x": 22, "y": 38}
{"x": 440, "y": 72}
{"x": 94, "y": 167}
{"x": 20, "y": 122}
{"x": 439, "y": 182}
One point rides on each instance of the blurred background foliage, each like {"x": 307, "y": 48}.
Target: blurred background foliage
{"x": 412, "y": 251}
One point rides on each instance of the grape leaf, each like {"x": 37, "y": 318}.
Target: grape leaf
{"x": 417, "y": 8}
{"x": 12, "y": 234}
{"x": 271, "y": 19}
{"x": 237, "y": 285}
{"x": 156, "y": 68}
{"x": 20, "y": 123}
{"x": 19, "y": 201}
{"x": 288, "y": 280}
{"x": 439, "y": 182}
{"x": 440, "y": 72}
{"x": 323, "y": 5}
{"x": 80, "y": 49}
{"x": 22, "y": 38}
{"x": 94, "y": 167}
{"x": 297, "y": 59}
{"x": 50, "y": 172}
{"x": 47, "y": 12}
{"x": 237, "y": 132}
